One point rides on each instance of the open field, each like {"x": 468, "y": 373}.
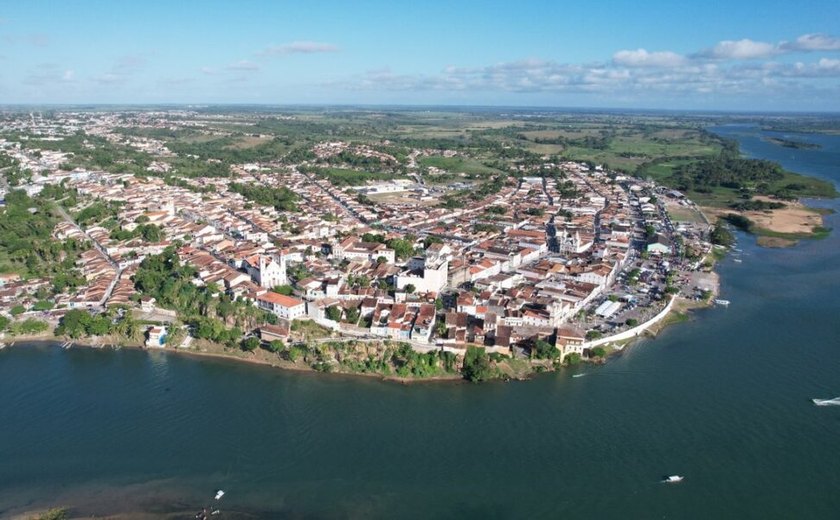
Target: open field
{"x": 458, "y": 165}
{"x": 681, "y": 213}
{"x": 792, "y": 222}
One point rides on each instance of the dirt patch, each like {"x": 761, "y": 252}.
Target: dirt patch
{"x": 796, "y": 218}
{"x": 775, "y": 242}
{"x": 680, "y": 213}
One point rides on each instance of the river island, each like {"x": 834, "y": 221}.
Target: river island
{"x": 453, "y": 245}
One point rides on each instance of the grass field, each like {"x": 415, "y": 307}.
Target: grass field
{"x": 347, "y": 177}
{"x": 684, "y": 214}
{"x": 458, "y": 165}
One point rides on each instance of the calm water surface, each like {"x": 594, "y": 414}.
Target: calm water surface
{"x": 723, "y": 400}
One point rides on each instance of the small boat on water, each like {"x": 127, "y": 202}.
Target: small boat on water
{"x": 827, "y": 402}
{"x": 219, "y": 494}
{"x": 737, "y": 260}
{"x": 672, "y": 479}
{"x": 722, "y": 302}
{"x": 578, "y": 375}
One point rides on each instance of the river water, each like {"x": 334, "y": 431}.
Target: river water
{"x": 723, "y": 399}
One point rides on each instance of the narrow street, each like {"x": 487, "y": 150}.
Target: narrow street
{"x": 117, "y": 269}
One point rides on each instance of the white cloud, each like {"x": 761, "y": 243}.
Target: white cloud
{"x": 812, "y": 42}
{"x": 745, "y": 49}
{"x": 643, "y": 58}
{"x": 210, "y": 71}
{"x": 826, "y": 63}
{"x": 298, "y": 47}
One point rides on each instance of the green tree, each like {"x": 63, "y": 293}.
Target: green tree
{"x": 352, "y": 315}
{"x": 598, "y": 352}
{"x": 28, "y": 326}
{"x": 17, "y": 310}
{"x": 286, "y": 290}
{"x": 402, "y": 248}
{"x": 334, "y": 313}
{"x": 410, "y": 288}
{"x": 42, "y": 305}
{"x": 99, "y": 326}
{"x": 276, "y": 346}
{"x": 250, "y": 344}
{"x": 476, "y": 365}
{"x": 720, "y": 235}
{"x": 572, "y": 358}
{"x": 73, "y": 324}
{"x": 296, "y": 353}
{"x": 545, "y": 350}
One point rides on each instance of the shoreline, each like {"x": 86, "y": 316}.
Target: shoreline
{"x": 50, "y": 340}
{"x": 681, "y": 307}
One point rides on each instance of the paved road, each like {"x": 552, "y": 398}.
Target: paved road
{"x": 117, "y": 269}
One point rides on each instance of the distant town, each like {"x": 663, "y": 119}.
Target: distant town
{"x": 339, "y": 255}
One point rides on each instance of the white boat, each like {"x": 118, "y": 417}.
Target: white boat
{"x": 578, "y": 375}
{"x": 827, "y": 402}
{"x": 722, "y": 302}
{"x": 673, "y": 479}
{"x": 737, "y": 260}
{"x": 219, "y": 494}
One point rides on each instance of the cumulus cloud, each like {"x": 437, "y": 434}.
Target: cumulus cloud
{"x": 298, "y": 47}
{"x": 745, "y": 49}
{"x": 812, "y": 42}
{"x": 643, "y": 58}
{"x": 829, "y": 64}
{"x": 742, "y": 67}
{"x": 632, "y": 74}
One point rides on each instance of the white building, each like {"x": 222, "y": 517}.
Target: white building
{"x": 285, "y": 307}
{"x": 267, "y": 271}
{"x": 429, "y": 273}
{"x": 354, "y": 249}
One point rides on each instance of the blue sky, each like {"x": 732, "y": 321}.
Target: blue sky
{"x": 756, "y": 55}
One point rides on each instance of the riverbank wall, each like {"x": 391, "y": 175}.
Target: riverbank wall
{"x": 635, "y": 331}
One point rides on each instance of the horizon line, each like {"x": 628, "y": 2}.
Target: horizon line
{"x": 5, "y": 106}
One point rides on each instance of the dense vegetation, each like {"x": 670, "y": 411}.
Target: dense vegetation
{"x": 720, "y": 235}
{"x": 280, "y": 198}
{"x": 27, "y": 246}
{"x": 757, "y": 205}
{"x": 210, "y": 312}
{"x": 79, "y": 324}
{"x": 477, "y": 365}
{"x": 729, "y": 172}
